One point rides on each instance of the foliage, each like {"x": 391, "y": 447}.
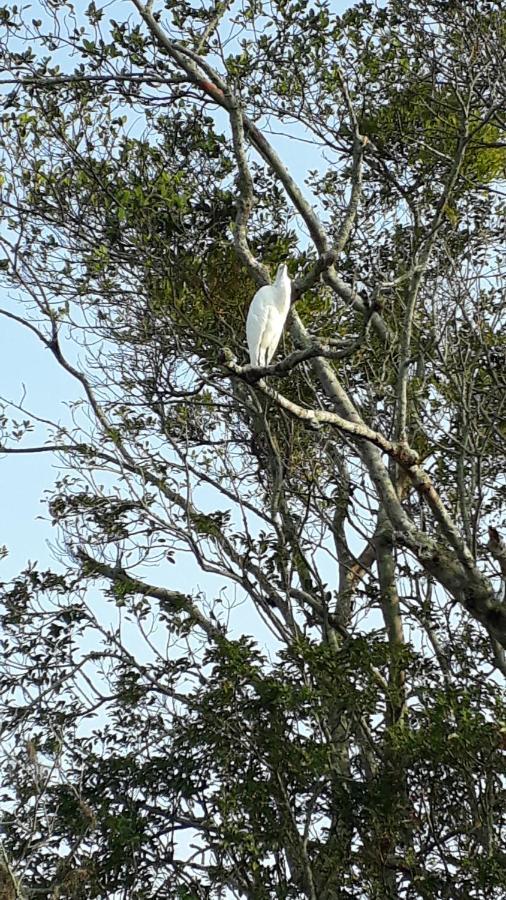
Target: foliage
{"x": 324, "y": 718}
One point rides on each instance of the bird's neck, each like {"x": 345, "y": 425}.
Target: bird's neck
{"x": 283, "y": 289}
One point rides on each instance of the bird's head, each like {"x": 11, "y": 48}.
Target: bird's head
{"x": 282, "y": 272}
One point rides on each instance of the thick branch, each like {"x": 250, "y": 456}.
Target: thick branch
{"x": 246, "y": 199}
{"x": 252, "y": 374}
{"x": 390, "y": 607}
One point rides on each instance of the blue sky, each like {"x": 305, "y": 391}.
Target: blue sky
{"x": 28, "y": 374}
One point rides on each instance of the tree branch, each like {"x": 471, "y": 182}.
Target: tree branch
{"x": 459, "y": 576}
{"x": 50, "y": 80}
{"x": 202, "y": 74}
{"x": 318, "y": 417}
{"x": 246, "y": 198}
{"x": 174, "y": 599}
{"x": 420, "y": 264}
{"x": 390, "y": 607}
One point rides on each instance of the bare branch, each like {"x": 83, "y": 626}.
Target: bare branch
{"x": 246, "y": 198}
{"x": 175, "y": 600}
{"x": 41, "y": 81}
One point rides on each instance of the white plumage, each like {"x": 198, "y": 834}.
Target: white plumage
{"x": 266, "y": 318}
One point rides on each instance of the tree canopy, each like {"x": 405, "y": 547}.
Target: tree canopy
{"x": 268, "y": 660}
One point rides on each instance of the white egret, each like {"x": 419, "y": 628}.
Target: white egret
{"x": 266, "y": 318}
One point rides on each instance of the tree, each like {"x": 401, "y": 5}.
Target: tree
{"x": 348, "y": 497}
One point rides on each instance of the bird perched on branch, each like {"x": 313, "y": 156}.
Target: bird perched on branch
{"x": 267, "y": 316}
